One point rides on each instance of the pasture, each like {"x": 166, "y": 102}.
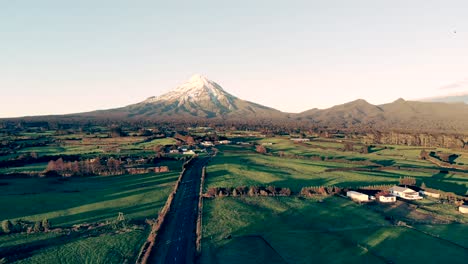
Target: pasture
{"x": 293, "y": 230}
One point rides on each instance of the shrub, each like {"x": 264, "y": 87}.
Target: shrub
{"x": 7, "y": 226}
{"x": 46, "y": 224}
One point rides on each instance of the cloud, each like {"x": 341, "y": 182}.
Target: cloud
{"x": 455, "y": 85}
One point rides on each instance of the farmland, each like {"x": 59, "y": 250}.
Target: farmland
{"x": 291, "y": 230}
{"x": 94, "y": 187}
{"x": 323, "y": 228}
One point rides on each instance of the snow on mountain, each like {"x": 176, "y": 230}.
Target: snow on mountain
{"x": 200, "y": 97}
{"x": 198, "y": 88}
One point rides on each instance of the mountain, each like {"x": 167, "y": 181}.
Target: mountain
{"x": 202, "y": 99}
{"x": 461, "y": 98}
{"x": 198, "y": 98}
{"x": 355, "y": 112}
{"x": 400, "y": 114}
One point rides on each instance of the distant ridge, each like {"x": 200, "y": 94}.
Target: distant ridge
{"x": 200, "y": 98}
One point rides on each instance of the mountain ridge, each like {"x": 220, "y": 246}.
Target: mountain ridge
{"x": 202, "y": 99}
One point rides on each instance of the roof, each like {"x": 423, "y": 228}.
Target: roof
{"x": 401, "y": 189}
{"x": 354, "y": 192}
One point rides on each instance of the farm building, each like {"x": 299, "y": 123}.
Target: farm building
{"x": 405, "y": 193}
{"x": 300, "y": 139}
{"x": 357, "y": 196}
{"x": 463, "y": 209}
{"x": 207, "y": 144}
{"x": 430, "y": 194}
{"x": 387, "y": 198}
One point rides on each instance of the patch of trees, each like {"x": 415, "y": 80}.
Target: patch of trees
{"x": 407, "y": 181}
{"x": 20, "y": 226}
{"x": 320, "y": 190}
{"x": 247, "y": 191}
{"x": 94, "y": 166}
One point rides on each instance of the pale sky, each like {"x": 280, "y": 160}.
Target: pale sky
{"x": 73, "y": 56}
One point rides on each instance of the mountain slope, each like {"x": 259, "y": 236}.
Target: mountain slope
{"x": 400, "y": 114}
{"x": 199, "y": 97}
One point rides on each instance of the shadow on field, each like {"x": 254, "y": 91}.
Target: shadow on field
{"x": 98, "y": 215}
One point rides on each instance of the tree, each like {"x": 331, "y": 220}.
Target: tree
{"x": 38, "y": 226}
{"x": 51, "y": 166}
{"x": 261, "y": 149}
{"x": 348, "y": 146}
{"x": 7, "y": 226}
{"x": 46, "y": 224}
{"x": 285, "y": 192}
{"x": 423, "y": 186}
{"x": 253, "y": 191}
{"x": 59, "y": 165}
{"x": 272, "y": 190}
{"x": 423, "y": 155}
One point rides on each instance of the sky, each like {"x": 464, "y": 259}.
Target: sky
{"x": 65, "y": 56}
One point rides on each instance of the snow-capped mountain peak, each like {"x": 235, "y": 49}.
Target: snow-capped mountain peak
{"x": 197, "y": 88}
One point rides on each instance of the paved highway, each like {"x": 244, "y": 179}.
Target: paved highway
{"x": 175, "y": 242}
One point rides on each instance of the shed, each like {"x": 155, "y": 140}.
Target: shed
{"x": 387, "y": 198}
{"x": 357, "y": 196}
{"x": 463, "y": 209}
{"x": 430, "y": 194}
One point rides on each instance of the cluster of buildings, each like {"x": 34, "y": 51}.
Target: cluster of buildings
{"x": 390, "y": 197}
{"x": 395, "y": 192}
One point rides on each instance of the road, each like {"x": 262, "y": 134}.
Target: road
{"x": 175, "y": 242}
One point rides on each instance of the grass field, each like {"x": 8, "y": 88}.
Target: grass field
{"x": 78, "y": 200}
{"x": 292, "y": 230}
{"x": 240, "y": 165}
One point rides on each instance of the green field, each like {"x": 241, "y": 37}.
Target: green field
{"x": 240, "y": 165}
{"x": 292, "y": 230}
{"x": 77, "y": 200}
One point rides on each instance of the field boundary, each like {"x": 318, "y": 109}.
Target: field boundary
{"x": 145, "y": 251}
{"x": 200, "y": 214}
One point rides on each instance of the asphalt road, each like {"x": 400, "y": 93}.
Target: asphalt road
{"x": 175, "y": 242}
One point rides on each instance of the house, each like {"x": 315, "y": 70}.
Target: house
{"x": 430, "y": 194}
{"x": 224, "y": 142}
{"x": 174, "y": 151}
{"x": 463, "y": 209}
{"x": 189, "y": 152}
{"x": 405, "y": 193}
{"x": 387, "y": 198}
{"x": 207, "y": 144}
{"x": 357, "y": 196}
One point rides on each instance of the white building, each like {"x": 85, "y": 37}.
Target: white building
{"x": 224, "y": 142}
{"x": 387, "y": 198}
{"x": 189, "y": 152}
{"x": 463, "y": 209}
{"x": 405, "y": 193}
{"x": 357, "y": 196}
{"x": 430, "y": 194}
{"x": 207, "y": 144}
